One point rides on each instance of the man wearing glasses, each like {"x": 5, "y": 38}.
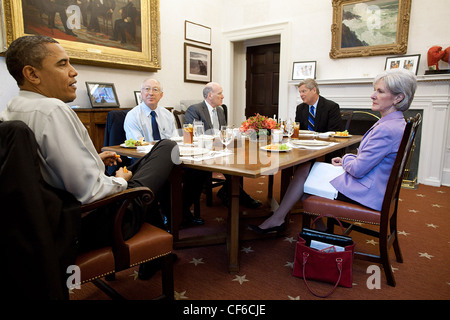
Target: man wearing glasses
{"x": 147, "y": 120}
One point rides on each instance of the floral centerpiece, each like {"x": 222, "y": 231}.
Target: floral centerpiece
{"x": 258, "y": 122}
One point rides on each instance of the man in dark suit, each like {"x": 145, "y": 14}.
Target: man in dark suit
{"x": 325, "y": 114}
{"x": 212, "y": 114}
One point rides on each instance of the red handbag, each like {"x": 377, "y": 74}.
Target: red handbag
{"x": 331, "y": 267}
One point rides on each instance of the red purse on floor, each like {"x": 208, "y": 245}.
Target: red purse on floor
{"x": 324, "y": 265}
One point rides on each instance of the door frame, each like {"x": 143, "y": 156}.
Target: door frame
{"x": 234, "y": 67}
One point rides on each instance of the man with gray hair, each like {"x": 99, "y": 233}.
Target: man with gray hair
{"x": 316, "y": 113}
{"x": 147, "y": 120}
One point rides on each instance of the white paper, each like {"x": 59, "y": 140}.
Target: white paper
{"x": 321, "y": 245}
{"x": 318, "y": 181}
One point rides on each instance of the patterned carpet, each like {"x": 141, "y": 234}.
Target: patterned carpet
{"x": 266, "y": 264}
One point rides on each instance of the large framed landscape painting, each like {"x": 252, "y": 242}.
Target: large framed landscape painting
{"x": 109, "y": 33}
{"x": 369, "y": 27}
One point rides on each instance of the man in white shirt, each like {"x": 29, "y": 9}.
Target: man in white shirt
{"x": 68, "y": 158}
{"x": 140, "y": 121}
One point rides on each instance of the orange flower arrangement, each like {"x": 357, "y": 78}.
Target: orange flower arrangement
{"x": 258, "y": 122}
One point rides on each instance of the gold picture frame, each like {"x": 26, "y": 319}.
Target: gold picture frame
{"x": 102, "y": 51}
{"x": 375, "y": 24}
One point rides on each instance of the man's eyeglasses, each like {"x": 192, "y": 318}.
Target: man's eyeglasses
{"x": 148, "y": 89}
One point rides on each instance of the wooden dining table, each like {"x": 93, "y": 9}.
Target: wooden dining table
{"x": 248, "y": 159}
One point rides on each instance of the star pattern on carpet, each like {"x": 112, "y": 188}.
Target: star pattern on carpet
{"x": 289, "y": 264}
{"x": 196, "y": 262}
{"x": 413, "y": 211}
{"x": 247, "y": 249}
{"x": 403, "y": 233}
{"x": 425, "y": 255}
{"x": 289, "y": 239}
{"x": 135, "y": 275}
{"x": 435, "y": 205}
{"x": 180, "y": 295}
{"x": 294, "y": 298}
{"x": 240, "y": 279}
{"x": 430, "y": 225}
{"x": 372, "y": 242}
{"x": 420, "y": 195}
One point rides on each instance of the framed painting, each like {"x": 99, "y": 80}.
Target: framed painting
{"x": 369, "y": 27}
{"x": 196, "y": 32}
{"x": 409, "y": 62}
{"x": 118, "y": 34}
{"x": 137, "y": 97}
{"x": 303, "y": 70}
{"x": 102, "y": 94}
{"x": 197, "y": 64}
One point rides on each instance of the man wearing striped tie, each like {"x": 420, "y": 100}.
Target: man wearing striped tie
{"x": 316, "y": 113}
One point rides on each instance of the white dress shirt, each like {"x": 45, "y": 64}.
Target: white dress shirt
{"x": 138, "y": 123}
{"x": 68, "y": 159}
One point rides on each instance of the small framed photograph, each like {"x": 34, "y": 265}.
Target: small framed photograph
{"x": 410, "y": 62}
{"x": 196, "y": 32}
{"x": 138, "y": 97}
{"x": 303, "y": 70}
{"x": 102, "y": 95}
{"x": 197, "y": 64}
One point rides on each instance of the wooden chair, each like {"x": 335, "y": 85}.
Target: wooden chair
{"x": 385, "y": 220}
{"x": 148, "y": 244}
{"x": 346, "y": 118}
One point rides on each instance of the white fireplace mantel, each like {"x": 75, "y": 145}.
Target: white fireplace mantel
{"x": 432, "y": 96}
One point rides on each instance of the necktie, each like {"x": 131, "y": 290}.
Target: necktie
{"x": 155, "y": 130}
{"x": 311, "y": 118}
{"x": 215, "y": 119}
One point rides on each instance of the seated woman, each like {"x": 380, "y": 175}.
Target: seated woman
{"x": 366, "y": 174}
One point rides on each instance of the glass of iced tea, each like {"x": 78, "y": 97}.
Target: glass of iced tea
{"x": 295, "y": 135}
{"x": 188, "y": 133}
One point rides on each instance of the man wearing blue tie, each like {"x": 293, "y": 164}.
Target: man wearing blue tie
{"x": 316, "y": 113}
{"x": 147, "y": 120}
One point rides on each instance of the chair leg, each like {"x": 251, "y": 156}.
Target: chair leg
{"x": 384, "y": 257}
{"x": 167, "y": 277}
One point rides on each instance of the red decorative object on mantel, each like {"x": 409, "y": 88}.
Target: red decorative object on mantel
{"x": 436, "y": 54}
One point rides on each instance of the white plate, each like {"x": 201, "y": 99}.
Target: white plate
{"x": 124, "y": 146}
{"x": 265, "y": 148}
{"x": 336, "y": 136}
{"x": 310, "y": 143}
{"x": 305, "y": 132}
{"x": 192, "y": 151}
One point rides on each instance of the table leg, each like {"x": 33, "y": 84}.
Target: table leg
{"x": 233, "y": 225}
{"x": 176, "y": 200}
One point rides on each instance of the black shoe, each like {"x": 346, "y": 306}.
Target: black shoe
{"x": 249, "y": 202}
{"x": 268, "y": 230}
{"x": 223, "y": 196}
{"x": 190, "y": 220}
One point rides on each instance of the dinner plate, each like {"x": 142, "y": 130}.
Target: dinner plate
{"x": 274, "y": 150}
{"x": 310, "y": 143}
{"x": 124, "y": 146}
{"x": 336, "y": 136}
{"x": 192, "y": 151}
{"x": 306, "y": 132}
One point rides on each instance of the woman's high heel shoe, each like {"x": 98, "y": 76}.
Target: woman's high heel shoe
{"x": 268, "y": 230}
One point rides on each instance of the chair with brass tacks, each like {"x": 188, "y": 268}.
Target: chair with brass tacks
{"x": 386, "y": 219}
{"x": 148, "y": 244}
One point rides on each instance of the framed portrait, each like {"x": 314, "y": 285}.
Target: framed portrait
{"x": 409, "y": 62}
{"x": 88, "y": 33}
{"x": 197, "y": 64}
{"x": 137, "y": 97}
{"x": 196, "y": 32}
{"x": 102, "y": 95}
{"x": 364, "y": 28}
{"x": 303, "y": 70}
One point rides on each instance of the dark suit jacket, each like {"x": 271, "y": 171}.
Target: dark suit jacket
{"x": 327, "y": 118}
{"x": 200, "y": 111}
{"x": 40, "y": 224}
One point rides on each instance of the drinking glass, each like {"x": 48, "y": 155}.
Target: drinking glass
{"x": 226, "y": 136}
{"x": 188, "y": 137}
{"x": 289, "y": 128}
{"x": 199, "y": 128}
